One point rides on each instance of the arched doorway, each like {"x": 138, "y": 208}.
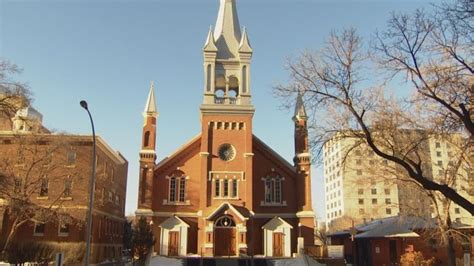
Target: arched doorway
{"x": 224, "y": 236}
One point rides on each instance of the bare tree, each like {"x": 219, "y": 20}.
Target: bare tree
{"x": 34, "y": 183}
{"x": 337, "y": 90}
{"x": 349, "y": 95}
{"x": 13, "y": 94}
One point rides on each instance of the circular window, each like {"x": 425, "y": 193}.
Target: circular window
{"x": 226, "y": 152}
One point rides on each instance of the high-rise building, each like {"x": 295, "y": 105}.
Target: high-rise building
{"x": 361, "y": 186}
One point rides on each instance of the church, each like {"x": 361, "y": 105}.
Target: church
{"x": 225, "y": 192}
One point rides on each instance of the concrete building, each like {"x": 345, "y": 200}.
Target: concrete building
{"x": 50, "y": 174}
{"x": 225, "y": 192}
{"x": 360, "y": 186}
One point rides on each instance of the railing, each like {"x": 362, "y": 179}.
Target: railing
{"x": 225, "y": 100}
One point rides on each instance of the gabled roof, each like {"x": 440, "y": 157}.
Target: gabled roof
{"x": 178, "y": 151}
{"x": 276, "y": 222}
{"x": 172, "y": 222}
{"x": 274, "y": 154}
{"x": 230, "y": 207}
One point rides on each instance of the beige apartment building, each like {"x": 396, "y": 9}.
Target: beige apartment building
{"x": 360, "y": 186}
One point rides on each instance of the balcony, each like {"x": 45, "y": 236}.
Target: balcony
{"x": 225, "y": 100}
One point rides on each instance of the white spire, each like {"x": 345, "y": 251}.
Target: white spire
{"x": 300, "y": 112}
{"x": 150, "y": 107}
{"x": 227, "y": 31}
{"x": 227, "y": 20}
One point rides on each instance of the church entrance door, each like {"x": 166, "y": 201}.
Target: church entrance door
{"x": 278, "y": 244}
{"x": 224, "y": 237}
{"x": 173, "y": 244}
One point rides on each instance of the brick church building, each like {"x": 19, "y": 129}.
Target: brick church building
{"x": 225, "y": 192}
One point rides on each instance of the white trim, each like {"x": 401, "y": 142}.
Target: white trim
{"x": 242, "y": 245}
{"x": 305, "y": 214}
{"x": 230, "y": 207}
{"x": 272, "y": 204}
{"x": 209, "y": 245}
{"x": 180, "y": 214}
{"x": 176, "y": 203}
{"x": 271, "y": 215}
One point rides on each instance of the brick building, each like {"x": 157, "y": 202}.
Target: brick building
{"x": 51, "y": 173}
{"x": 225, "y": 192}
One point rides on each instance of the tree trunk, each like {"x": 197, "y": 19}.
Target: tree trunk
{"x": 450, "y": 245}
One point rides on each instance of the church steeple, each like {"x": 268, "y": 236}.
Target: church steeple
{"x": 227, "y": 56}
{"x": 147, "y": 151}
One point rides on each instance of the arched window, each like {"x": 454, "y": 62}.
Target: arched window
{"x": 177, "y": 188}
{"x": 225, "y": 221}
{"x": 146, "y": 141}
{"x": 273, "y": 189}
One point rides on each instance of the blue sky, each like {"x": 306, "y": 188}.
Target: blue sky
{"x": 108, "y": 51}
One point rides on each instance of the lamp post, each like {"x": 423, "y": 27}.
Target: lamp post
{"x": 91, "y": 189}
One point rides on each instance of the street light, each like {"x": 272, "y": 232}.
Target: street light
{"x": 91, "y": 189}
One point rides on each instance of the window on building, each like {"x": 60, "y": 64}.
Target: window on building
{"x": 388, "y": 211}
{"x": 111, "y": 196}
{"x": 39, "y": 229}
{"x": 388, "y": 201}
{"x": 438, "y": 154}
{"x": 234, "y": 188}
{"x": 359, "y": 172}
{"x": 273, "y": 189}
{"x": 68, "y": 187}
{"x": 438, "y": 145}
{"x": 361, "y": 211}
{"x": 177, "y": 187}
{"x": 182, "y": 187}
{"x": 44, "y": 187}
{"x": 63, "y": 229}
{"x": 71, "y": 157}
{"x": 117, "y": 199}
{"x": 440, "y": 163}
{"x": 360, "y": 191}
{"x": 217, "y": 188}
{"x": 374, "y": 191}
{"x": 387, "y": 191}
{"x": 226, "y": 188}
{"x": 457, "y": 211}
{"x": 374, "y": 201}
{"x": 361, "y": 201}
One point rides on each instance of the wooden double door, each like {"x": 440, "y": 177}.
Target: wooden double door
{"x": 173, "y": 244}
{"x": 278, "y": 244}
{"x": 224, "y": 241}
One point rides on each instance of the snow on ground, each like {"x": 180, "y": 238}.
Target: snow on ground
{"x": 165, "y": 261}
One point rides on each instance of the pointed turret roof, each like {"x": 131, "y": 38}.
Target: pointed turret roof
{"x": 300, "y": 111}
{"x": 245, "y": 43}
{"x": 210, "y": 45}
{"x": 150, "y": 106}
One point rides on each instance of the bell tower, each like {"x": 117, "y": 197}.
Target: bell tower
{"x": 227, "y": 110}
{"x": 147, "y": 153}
